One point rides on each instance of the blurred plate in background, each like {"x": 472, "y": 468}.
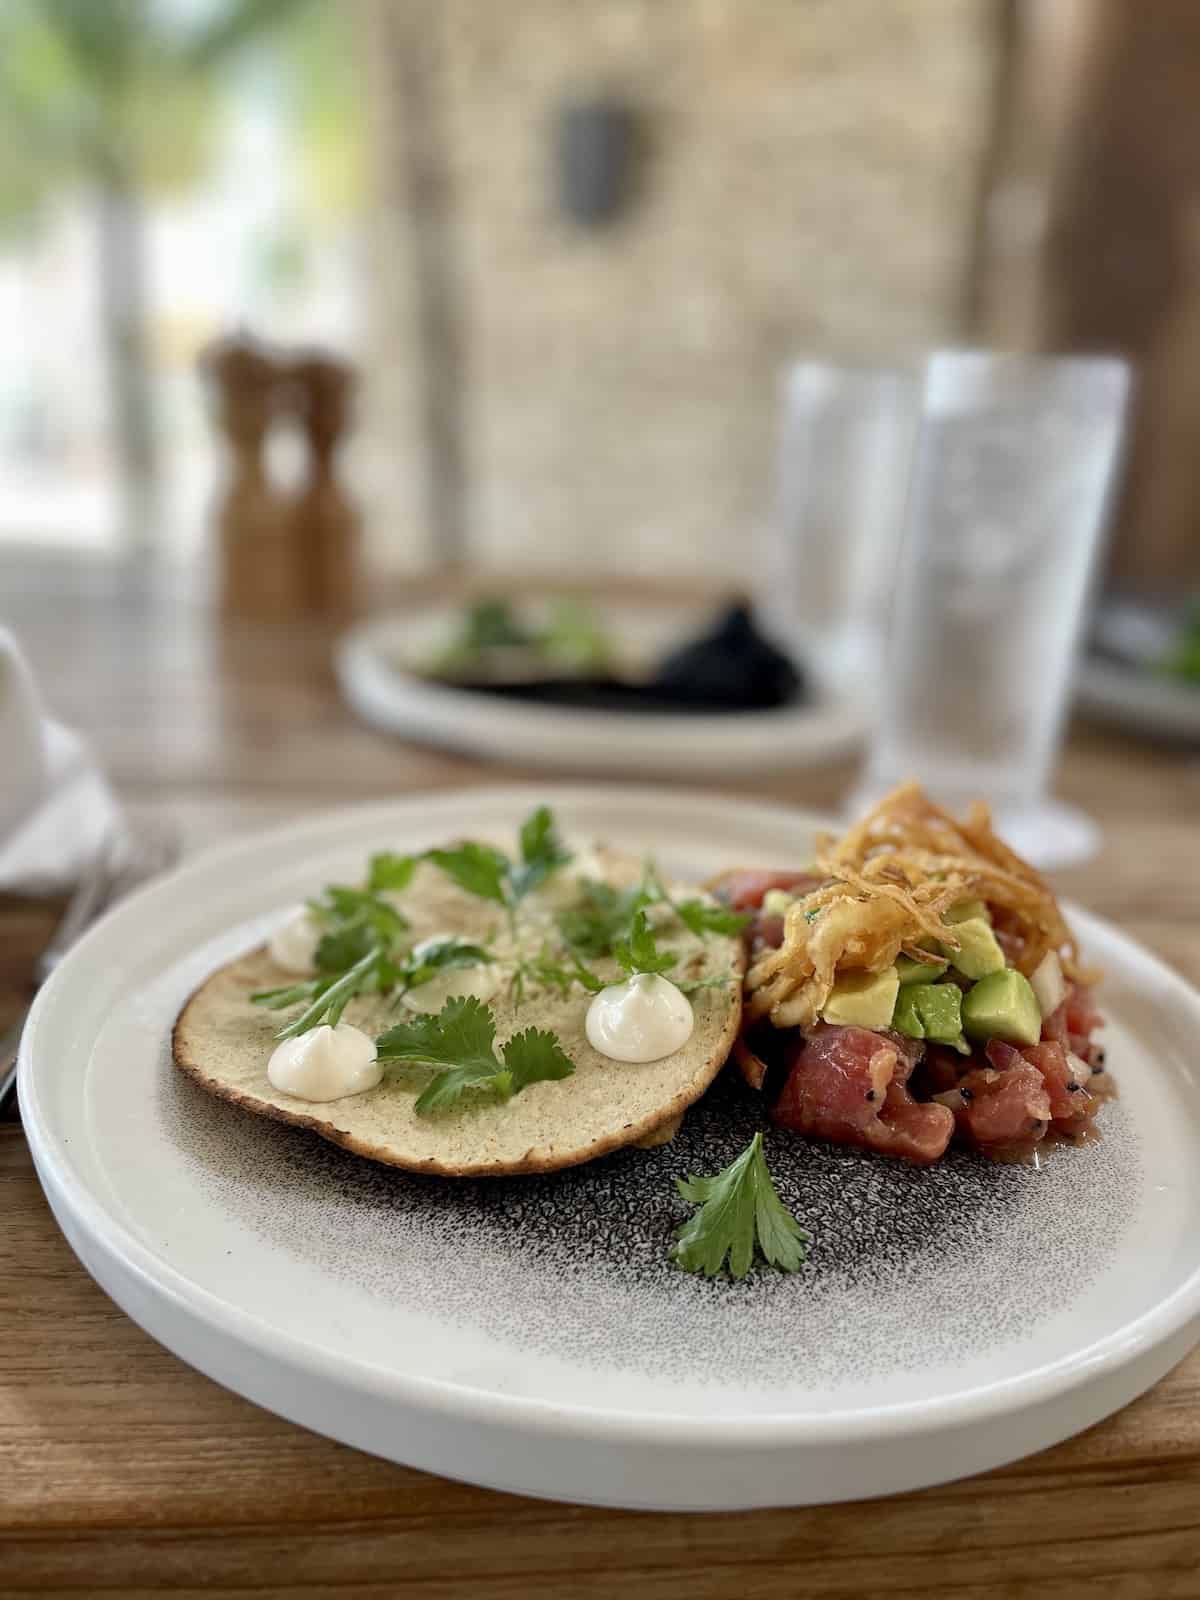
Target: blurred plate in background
{"x": 382, "y": 665}
{"x": 1123, "y": 679}
{"x": 1137, "y": 700}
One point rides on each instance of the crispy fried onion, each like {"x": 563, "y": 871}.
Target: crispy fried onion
{"x": 889, "y": 882}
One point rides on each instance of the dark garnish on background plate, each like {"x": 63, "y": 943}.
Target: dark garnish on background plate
{"x": 729, "y": 667}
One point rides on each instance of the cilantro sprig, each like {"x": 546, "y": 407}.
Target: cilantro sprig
{"x": 327, "y": 997}
{"x": 600, "y": 917}
{"x": 461, "y": 1042}
{"x": 550, "y": 970}
{"x": 698, "y": 916}
{"x": 380, "y": 969}
{"x": 426, "y": 961}
{"x": 390, "y": 873}
{"x": 490, "y": 874}
{"x": 602, "y": 920}
{"x": 639, "y": 952}
{"x": 359, "y": 952}
{"x": 354, "y": 921}
{"x": 542, "y": 853}
{"x": 739, "y": 1213}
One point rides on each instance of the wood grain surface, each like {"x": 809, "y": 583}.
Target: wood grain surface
{"x": 123, "y": 1472}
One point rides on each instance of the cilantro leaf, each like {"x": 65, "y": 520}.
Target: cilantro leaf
{"x": 599, "y": 923}
{"x": 574, "y": 972}
{"x": 542, "y": 852}
{"x": 461, "y": 1040}
{"x": 701, "y": 918}
{"x": 448, "y": 953}
{"x": 539, "y": 836}
{"x": 483, "y": 870}
{"x": 343, "y": 947}
{"x": 640, "y": 952}
{"x": 698, "y": 916}
{"x": 600, "y": 916}
{"x": 545, "y": 971}
{"x": 342, "y": 907}
{"x": 738, "y": 1209}
{"x": 389, "y": 871}
{"x": 480, "y": 869}
{"x": 534, "y": 1056}
{"x": 444, "y": 956}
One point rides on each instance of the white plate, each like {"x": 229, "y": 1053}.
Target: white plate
{"x": 377, "y": 665}
{"x": 1138, "y": 700}
{"x": 529, "y": 1335}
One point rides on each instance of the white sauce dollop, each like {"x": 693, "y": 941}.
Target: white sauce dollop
{"x": 293, "y": 945}
{"x": 325, "y": 1063}
{"x": 481, "y": 981}
{"x": 642, "y": 1019}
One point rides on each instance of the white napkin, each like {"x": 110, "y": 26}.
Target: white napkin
{"x": 56, "y": 810}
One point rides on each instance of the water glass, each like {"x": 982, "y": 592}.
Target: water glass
{"x": 1015, "y": 462}
{"x": 828, "y": 561}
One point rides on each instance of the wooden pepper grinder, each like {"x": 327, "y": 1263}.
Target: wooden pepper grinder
{"x": 260, "y": 567}
{"x": 325, "y": 517}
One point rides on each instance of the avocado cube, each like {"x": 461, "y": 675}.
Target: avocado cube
{"x": 911, "y": 971}
{"x": 906, "y": 1018}
{"x": 968, "y": 911}
{"x": 863, "y": 999}
{"x": 939, "y": 1006}
{"x": 1002, "y": 1006}
{"x": 978, "y": 955}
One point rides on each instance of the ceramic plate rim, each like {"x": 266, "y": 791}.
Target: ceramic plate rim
{"x": 465, "y": 1402}
{"x": 1135, "y": 700}
{"x": 821, "y": 729}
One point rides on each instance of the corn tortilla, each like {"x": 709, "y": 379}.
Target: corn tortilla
{"x": 224, "y": 1042}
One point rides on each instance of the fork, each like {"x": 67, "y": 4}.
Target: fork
{"x": 104, "y": 881}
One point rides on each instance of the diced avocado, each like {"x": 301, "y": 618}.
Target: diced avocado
{"x": 1002, "y": 1006}
{"x": 906, "y": 1018}
{"x": 911, "y": 971}
{"x": 939, "y": 1006}
{"x": 978, "y": 955}
{"x": 968, "y": 911}
{"x": 776, "y": 902}
{"x": 863, "y": 999}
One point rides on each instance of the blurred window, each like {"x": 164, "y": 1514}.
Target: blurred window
{"x": 169, "y": 169}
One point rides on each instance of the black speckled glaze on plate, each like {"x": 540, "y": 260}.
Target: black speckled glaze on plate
{"x": 907, "y": 1266}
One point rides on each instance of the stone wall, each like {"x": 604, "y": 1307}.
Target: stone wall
{"x": 809, "y": 184}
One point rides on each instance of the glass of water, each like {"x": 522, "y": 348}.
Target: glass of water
{"x": 827, "y": 562}
{"x": 1015, "y": 462}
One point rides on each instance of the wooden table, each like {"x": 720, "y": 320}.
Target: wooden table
{"x": 122, "y": 1471}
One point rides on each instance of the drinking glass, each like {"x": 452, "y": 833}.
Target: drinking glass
{"x": 1015, "y": 462}
{"x": 827, "y": 562}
